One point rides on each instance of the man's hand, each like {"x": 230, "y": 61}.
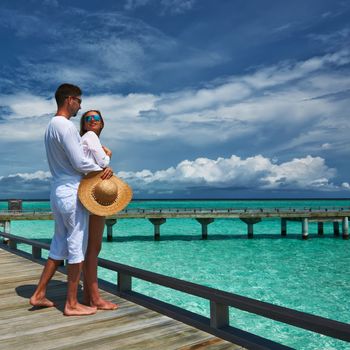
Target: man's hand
{"x": 107, "y": 173}
{"x": 107, "y": 151}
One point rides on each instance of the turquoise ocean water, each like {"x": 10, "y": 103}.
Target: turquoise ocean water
{"x": 311, "y": 276}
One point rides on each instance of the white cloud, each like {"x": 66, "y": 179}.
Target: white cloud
{"x": 252, "y": 173}
{"x": 132, "y": 4}
{"x": 326, "y": 146}
{"x": 38, "y": 175}
{"x": 286, "y": 72}
{"x": 172, "y": 6}
{"x": 53, "y": 3}
{"x": 306, "y": 173}
{"x": 27, "y": 105}
{"x": 291, "y": 97}
{"x": 258, "y": 172}
{"x": 177, "y": 6}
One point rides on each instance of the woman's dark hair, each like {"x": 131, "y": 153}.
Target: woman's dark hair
{"x": 82, "y": 121}
{"x": 65, "y": 90}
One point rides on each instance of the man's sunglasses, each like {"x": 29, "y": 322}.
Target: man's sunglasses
{"x": 94, "y": 117}
{"x": 75, "y": 98}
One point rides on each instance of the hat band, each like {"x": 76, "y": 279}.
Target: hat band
{"x": 104, "y": 202}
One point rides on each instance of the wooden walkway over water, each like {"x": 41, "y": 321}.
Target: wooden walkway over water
{"x": 129, "y": 327}
{"x": 206, "y": 216}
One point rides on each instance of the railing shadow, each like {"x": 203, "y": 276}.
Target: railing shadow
{"x": 215, "y": 237}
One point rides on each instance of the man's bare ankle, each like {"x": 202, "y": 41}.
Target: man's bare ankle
{"x": 79, "y": 310}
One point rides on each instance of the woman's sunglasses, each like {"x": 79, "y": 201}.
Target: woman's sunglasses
{"x": 95, "y": 117}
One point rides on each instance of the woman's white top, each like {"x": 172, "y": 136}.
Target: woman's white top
{"x": 65, "y": 154}
{"x": 93, "y": 149}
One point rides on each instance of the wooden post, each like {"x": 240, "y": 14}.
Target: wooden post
{"x": 3, "y": 224}
{"x": 283, "y": 227}
{"x": 320, "y": 228}
{"x": 205, "y": 222}
{"x": 345, "y": 227}
{"x": 250, "y": 223}
{"x": 157, "y": 222}
{"x": 12, "y": 244}
{"x": 336, "y": 228}
{"x": 219, "y": 315}
{"x": 7, "y": 226}
{"x": 36, "y": 252}
{"x": 109, "y": 224}
{"x": 305, "y": 228}
{"x": 124, "y": 282}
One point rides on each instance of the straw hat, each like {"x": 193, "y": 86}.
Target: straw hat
{"x": 103, "y": 197}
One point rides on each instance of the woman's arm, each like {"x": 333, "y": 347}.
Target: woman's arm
{"x": 94, "y": 145}
{"x": 107, "y": 151}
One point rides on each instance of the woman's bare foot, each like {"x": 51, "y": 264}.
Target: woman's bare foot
{"x": 40, "y": 301}
{"x": 102, "y": 304}
{"x": 79, "y": 310}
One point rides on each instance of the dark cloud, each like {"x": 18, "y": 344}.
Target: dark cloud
{"x": 20, "y": 188}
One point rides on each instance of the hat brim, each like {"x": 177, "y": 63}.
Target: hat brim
{"x": 85, "y": 193}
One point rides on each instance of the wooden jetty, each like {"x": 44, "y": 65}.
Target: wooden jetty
{"x": 133, "y": 325}
{"x": 250, "y": 216}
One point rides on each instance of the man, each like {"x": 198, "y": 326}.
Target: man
{"x": 67, "y": 165}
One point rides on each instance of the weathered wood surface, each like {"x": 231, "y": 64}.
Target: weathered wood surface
{"x": 131, "y": 326}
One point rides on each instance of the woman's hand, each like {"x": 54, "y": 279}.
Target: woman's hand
{"x": 107, "y": 173}
{"x": 107, "y": 151}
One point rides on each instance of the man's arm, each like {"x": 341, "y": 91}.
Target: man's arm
{"x": 74, "y": 151}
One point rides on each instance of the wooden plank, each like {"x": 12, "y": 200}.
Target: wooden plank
{"x": 131, "y": 326}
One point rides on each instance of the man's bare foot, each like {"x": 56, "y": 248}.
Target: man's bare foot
{"x": 102, "y": 304}
{"x": 40, "y": 302}
{"x": 79, "y": 310}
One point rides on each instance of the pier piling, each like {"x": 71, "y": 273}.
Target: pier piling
{"x": 320, "y": 228}
{"x": 6, "y": 226}
{"x": 109, "y": 224}
{"x": 283, "y": 227}
{"x": 336, "y": 228}
{"x": 157, "y": 222}
{"x": 250, "y": 223}
{"x": 205, "y": 222}
{"x": 305, "y": 228}
{"x": 345, "y": 224}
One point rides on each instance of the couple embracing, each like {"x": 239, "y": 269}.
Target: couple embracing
{"x": 78, "y": 231}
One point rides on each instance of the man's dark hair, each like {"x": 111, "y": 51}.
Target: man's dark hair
{"x": 65, "y": 90}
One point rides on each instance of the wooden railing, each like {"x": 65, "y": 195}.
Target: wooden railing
{"x": 220, "y": 301}
{"x": 226, "y": 212}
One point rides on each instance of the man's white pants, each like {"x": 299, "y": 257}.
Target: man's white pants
{"x": 71, "y": 224}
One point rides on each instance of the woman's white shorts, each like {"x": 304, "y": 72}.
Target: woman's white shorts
{"x": 71, "y": 224}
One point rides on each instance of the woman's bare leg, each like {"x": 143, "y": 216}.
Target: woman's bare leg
{"x": 39, "y": 297}
{"x": 91, "y": 293}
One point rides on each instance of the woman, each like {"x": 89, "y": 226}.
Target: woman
{"x": 91, "y": 125}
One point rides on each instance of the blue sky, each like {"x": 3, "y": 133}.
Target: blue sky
{"x": 201, "y": 99}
